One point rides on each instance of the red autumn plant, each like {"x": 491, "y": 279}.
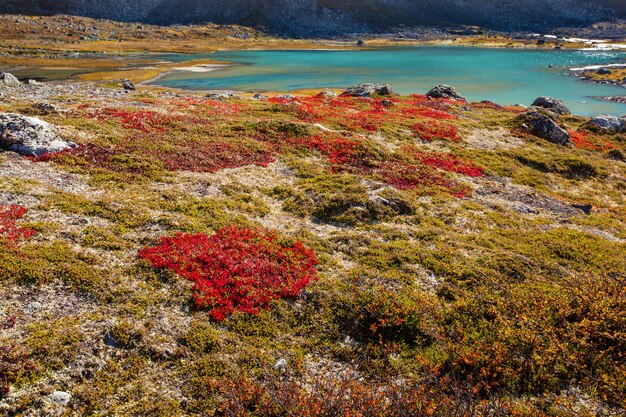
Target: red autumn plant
{"x": 583, "y": 140}
{"x": 236, "y": 269}
{"x": 433, "y": 130}
{"x": 139, "y": 120}
{"x": 10, "y": 233}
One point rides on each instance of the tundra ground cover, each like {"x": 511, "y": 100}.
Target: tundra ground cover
{"x": 11, "y": 234}
{"x": 177, "y": 140}
{"x": 450, "y": 276}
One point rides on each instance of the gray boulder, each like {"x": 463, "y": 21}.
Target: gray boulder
{"x": 444, "y": 91}
{"x": 9, "y": 79}
{"x": 259, "y": 96}
{"x": 30, "y": 136}
{"x": 542, "y": 125}
{"x": 128, "y": 85}
{"x": 286, "y": 97}
{"x": 368, "y": 90}
{"x": 552, "y": 104}
{"x": 606, "y": 122}
{"x": 220, "y": 95}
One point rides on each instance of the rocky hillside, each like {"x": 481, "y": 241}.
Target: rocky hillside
{"x": 324, "y": 17}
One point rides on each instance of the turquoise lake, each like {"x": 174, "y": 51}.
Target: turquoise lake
{"x": 505, "y": 76}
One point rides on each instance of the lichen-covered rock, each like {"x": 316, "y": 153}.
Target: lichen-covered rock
{"x": 552, "y": 104}
{"x": 9, "y": 79}
{"x": 542, "y": 125}
{"x": 606, "y": 122}
{"x": 368, "y": 90}
{"x": 30, "y": 136}
{"x": 259, "y": 96}
{"x": 444, "y": 91}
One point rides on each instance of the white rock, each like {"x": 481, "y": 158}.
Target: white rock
{"x": 60, "y": 397}
{"x": 280, "y": 364}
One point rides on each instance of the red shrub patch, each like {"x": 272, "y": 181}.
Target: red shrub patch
{"x": 427, "y": 112}
{"x": 444, "y": 161}
{"x": 140, "y": 120}
{"x": 10, "y": 233}
{"x": 236, "y": 269}
{"x": 432, "y": 130}
{"x": 583, "y": 140}
{"x": 338, "y": 149}
{"x": 214, "y": 156}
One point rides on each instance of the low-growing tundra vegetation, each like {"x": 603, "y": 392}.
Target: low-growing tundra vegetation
{"x": 314, "y": 256}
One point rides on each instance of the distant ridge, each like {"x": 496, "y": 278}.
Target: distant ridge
{"x": 335, "y": 17}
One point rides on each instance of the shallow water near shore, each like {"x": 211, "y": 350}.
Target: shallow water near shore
{"x": 505, "y": 76}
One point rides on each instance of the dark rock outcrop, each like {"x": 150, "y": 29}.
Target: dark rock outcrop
{"x": 542, "y": 125}
{"x": 444, "y": 91}
{"x": 368, "y": 90}
{"x": 30, "y": 136}
{"x": 552, "y": 104}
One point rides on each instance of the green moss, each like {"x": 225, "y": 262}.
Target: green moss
{"x": 201, "y": 337}
{"x": 102, "y": 238}
{"x": 57, "y": 261}
{"x": 54, "y": 344}
{"x": 124, "y": 387}
{"x": 107, "y": 208}
{"x": 126, "y": 335}
{"x": 340, "y": 199}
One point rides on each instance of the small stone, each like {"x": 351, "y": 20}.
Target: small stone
{"x": 280, "y": 364}
{"x": 585, "y": 208}
{"x": 128, "y": 85}
{"x": 32, "y": 307}
{"x": 444, "y": 91}
{"x": 603, "y": 71}
{"x": 259, "y": 96}
{"x": 552, "y": 104}
{"x": 60, "y": 397}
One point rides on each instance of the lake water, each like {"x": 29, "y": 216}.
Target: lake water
{"x": 505, "y": 76}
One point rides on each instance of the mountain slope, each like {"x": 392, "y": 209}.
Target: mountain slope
{"x": 324, "y": 17}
